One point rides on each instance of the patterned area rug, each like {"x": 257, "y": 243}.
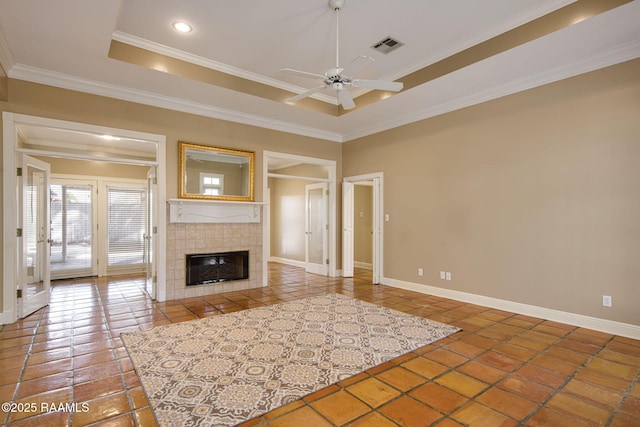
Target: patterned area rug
{"x": 223, "y": 370}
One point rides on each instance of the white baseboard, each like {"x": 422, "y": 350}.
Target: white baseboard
{"x": 602, "y": 325}
{"x": 288, "y": 261}
{"x": 7, "y": 317}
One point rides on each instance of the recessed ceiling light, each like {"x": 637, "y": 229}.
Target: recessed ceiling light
{"x": 182, "y": 27}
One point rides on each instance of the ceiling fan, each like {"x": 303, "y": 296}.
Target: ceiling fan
{"x": 334, "y": 77}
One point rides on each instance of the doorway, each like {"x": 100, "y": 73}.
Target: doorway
{"x": 373, "y": 230}
{"x": 42, "y": 137}
{"x": 288, "y": 180}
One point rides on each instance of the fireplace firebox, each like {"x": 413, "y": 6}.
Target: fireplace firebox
{"x": 217, "y": 267}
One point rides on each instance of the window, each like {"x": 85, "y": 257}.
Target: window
{"x": 211, "y": 184}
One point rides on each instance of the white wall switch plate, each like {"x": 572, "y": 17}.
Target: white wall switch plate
{"x": 448, "y": 275}
{"x": 606, "y": 300}
{"x": 443, "y": 275}
{"x": 420, "y": 272}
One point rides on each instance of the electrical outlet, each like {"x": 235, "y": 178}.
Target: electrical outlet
{"x": 420, "y": 272}
{"x": 443, "y": 275}
{"x": 606, "y": 300}
{"x": 448, "y": 275}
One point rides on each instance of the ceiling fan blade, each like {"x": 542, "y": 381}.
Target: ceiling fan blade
{"x": 305, "y": 94}
{"x": 378, "y": 84}
{"x": 345, "y": 99}
{"x": 302, "y": 73}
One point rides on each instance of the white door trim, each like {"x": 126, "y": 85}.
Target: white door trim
{"x": 11, "y": 121}
{"x": 331, "y": 167}
{"x": 378, "y": 223}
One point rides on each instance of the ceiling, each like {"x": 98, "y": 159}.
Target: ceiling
{"x": 455, "y": 54}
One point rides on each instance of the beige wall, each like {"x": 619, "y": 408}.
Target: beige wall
{"x": 532, "y": 198}
{"x": 288, "y": 211}
{"x": 45, "y": 101}
{"x": 287, "y": 218}
{"x": 363, "y": 224}
{"x": 95, "y": 168}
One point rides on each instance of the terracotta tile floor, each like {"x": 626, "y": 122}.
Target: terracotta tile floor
{"x": 503, "y": 369}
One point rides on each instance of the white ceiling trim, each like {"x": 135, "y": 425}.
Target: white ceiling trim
{"x": 214, "y": 65}
{"x": 625, "y": 52}
{"x": 65, "y": 81}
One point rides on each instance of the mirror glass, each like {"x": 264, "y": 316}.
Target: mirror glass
{"x": 215, "y": 173}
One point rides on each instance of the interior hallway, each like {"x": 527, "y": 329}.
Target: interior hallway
{"x": 503, "y": 369}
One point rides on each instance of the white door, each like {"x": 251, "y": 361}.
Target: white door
{"x": 347, "y": 228}
{"x": 316, "y": 229}
{"x": 377, "y": 231}
{"x": 150, "y": 234}
{"x": 34, "y": 275}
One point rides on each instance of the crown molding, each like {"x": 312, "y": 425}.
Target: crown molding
{"x": 606, "y": 58}
{"x": 214, "y": 65}
{"x": 536, "y": 12}
{"x": 625, "y": 52}
{"x": 65, "y": 81}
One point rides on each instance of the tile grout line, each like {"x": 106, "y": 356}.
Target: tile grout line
{"x": 624, "y": 398}
{"x": 560, "y": 387}
{"x": 25, "y": 363}
{"x": 507, "y": 374}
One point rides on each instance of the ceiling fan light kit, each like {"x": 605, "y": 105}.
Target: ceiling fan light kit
{"x": 334, "y": 78}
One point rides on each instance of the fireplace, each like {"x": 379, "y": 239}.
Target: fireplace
{"x": 217, "y": 267}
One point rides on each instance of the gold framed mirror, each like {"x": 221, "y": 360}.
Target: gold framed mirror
{"x": 215, "y": 173}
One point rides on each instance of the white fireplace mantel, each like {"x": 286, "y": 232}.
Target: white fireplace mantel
{"x": 213, "y": 211}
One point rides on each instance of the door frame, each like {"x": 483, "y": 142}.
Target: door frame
{"x": 75, "y": 179}
{"x": 30, "y": 304}
{"x": 266, "y": 235}
{"x": 378, "y": 224}
{"x": 10, "y": 124}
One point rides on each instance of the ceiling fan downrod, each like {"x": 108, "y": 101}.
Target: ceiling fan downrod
{"x": 337, "y": 5}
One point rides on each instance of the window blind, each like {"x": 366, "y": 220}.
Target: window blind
{"x": 125, "y": 226}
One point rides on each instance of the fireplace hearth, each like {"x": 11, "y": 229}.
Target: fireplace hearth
{"x": 217, "y": 267}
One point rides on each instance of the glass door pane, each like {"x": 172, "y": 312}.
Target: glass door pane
{"x": 126, "y": 220}
{"x": 316, "y": 224}
{"x": 149, "y": 236}
{"x": 72, "y": 253}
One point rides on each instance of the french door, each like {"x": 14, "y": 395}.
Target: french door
{"x": 99, "y": 227}
{"x": 73, "y": 228}
{"x": 316, "y": 229}
{"x": 33, "y": 246}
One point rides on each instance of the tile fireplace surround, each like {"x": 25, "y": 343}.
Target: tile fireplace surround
{"x": 211, "y": 235}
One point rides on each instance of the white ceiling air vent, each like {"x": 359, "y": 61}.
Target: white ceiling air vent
{"x": 387, "y": 44}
